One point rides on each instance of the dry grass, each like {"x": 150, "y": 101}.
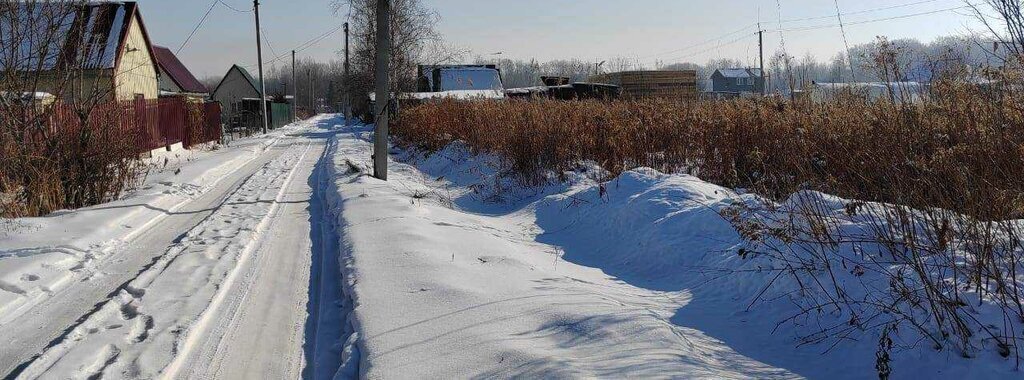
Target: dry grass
{"x": 63, "y": 159}
{"x": 946, "y": 172}
{"x": 938, "y": 153}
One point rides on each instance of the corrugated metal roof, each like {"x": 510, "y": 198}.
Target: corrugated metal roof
{"x": 89, "y": 37}
{"x": 177, "y": 71}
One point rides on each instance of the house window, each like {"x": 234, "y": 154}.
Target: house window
{"x": 741, "y": 81}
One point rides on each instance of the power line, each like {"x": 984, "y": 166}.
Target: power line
{"x": 271, "y": 46}
{"x": 699, "y": 44}
{"x": 305, "y": 45}
{"x": 235, "y": 9}
{"x": 731, "y": 42}
{"x": 813, "y": 27}
{"x": 189, "y": 38}
{"x": 846, "y": 42}
{"x": 861, "y": 22}
{"x": 861, "y": 11}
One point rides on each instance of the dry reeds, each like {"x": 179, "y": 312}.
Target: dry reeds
{"x": 935, "y": 186}
{"x": 921, "y": 155}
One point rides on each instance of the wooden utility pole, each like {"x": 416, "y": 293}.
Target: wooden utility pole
{"x": 312, "y": 101}
{"x": 259, "y": 58}
{"x": 348, "y": 97}
{"x": 380, "y": 133}
{"x": 295, "y": 90}
{"x": 760, "y": 47}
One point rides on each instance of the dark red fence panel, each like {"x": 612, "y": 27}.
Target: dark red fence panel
{"x": 204, "y": 126}
{"x": 144, "y": 125}
{"x": 147, "y": 123}
{"x": 173, "y": 115}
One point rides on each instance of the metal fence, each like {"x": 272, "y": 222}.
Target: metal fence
{"x": 149, "y": 124}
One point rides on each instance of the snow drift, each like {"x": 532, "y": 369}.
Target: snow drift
{"x": 458, "y": 271}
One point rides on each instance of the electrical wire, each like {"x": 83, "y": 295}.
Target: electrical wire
{"x": 782, "y": 21}
{"x": 824, "y": 17}
{"x": 846, "y": 42}
{"x": 267, "y": 39}
{"x": 189, "y": 38}
{"x": 250, "y": 10}
{"x": 699, "y": 44}
{"x": 731, "y": 42}
{"x": 305, "y": 45}
{"x": 861, "y": 22}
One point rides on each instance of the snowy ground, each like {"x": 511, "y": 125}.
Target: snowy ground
{"x": 212, "y": 270}
{"x": 279, "y": 257}
{"x": 457, "y": 273}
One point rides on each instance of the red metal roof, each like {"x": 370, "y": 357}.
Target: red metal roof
{"x": 177, "y": 71}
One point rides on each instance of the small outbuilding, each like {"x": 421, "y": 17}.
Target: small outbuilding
{"x": 239, "y": 96}
{"x": 175, "y": 79}
{"x": 236, "y": 86}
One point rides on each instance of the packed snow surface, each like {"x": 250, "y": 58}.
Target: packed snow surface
{"x": 232, "y": 273}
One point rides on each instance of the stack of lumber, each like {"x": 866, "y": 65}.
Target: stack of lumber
{"x": 677, "y": 84}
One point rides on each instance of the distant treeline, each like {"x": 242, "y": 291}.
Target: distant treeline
{"x": 921, "y": 62}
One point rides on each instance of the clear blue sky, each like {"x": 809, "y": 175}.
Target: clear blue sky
{"x": 646, "y": 30}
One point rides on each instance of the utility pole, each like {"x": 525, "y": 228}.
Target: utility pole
{"x": 347, "y": 98}
{"x": 380, "y": 133}
{"x": 312, "y": 101}
{"x": 295, "y": 90}
{"x": 760, "y": 47}
{"x": 259, "y": 57}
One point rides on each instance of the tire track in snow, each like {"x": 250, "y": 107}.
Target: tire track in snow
{"x": 327, "y": 324}
{"x": 198, "y": 338}
{"x": 119, "y": 258}
{"x": 106, "y": 319}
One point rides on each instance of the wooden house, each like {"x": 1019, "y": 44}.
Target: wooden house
{"x": 737, "y": 81}
{"x": 106, "y": 45}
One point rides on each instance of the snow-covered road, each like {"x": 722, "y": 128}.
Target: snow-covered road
{"x": 49, "y": 319}
{"x": 281, "y": 257}
{"x": 230, "y": 283}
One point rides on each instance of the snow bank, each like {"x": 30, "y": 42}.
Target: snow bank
{"x": 457, "y": 272}
{"x": 454, "y": 293}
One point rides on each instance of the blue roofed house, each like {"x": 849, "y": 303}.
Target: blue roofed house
{"x": 737, "y": 81}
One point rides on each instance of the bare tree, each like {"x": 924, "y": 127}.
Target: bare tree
{"x": 50, "y": 125}
{"x": 1009, "y": 37}
{"x": 414, "y": 41}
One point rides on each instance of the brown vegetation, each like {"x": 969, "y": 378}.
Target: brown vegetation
{"x": 945, "y": 172}
{"x": 928, "y": 154}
